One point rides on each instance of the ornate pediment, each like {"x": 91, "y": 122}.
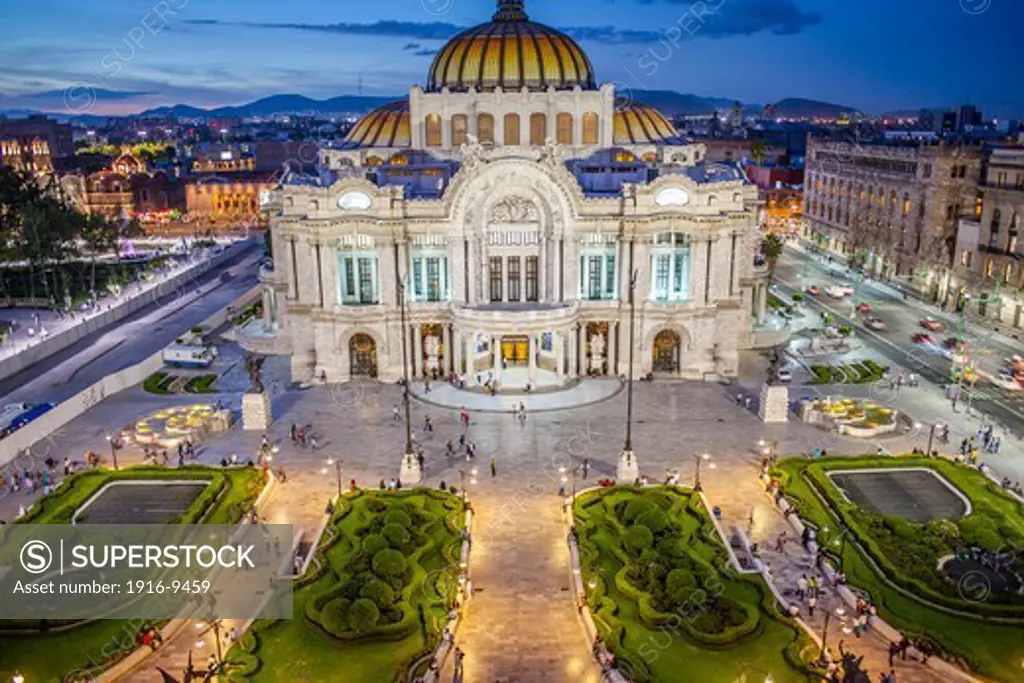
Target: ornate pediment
{"x": 514, "y": 210}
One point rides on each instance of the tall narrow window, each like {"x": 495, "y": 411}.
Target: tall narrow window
{"x": 432, "y": 129}
{"x": 531, "y": 278}
{"x": 511, "y": 129}
{"x": 513, "y": 278}
{"x": 350, "y": 278}
{"x": 433, "y": 279}
{"x": 495, "y": 278}
{"x": 662, "y": 264}
{"x": 609, "y": 282}
{"x": 417, "y": 279}
{"x": 538, "y": 129}
{"x": 564, "y": 129}
{"x": 590, "y": 128}
{"x": 594, "y": 283}
{"x": 485, "y": 128}
{"x": 366, "y": 281}
{"x": 459, "y": 129}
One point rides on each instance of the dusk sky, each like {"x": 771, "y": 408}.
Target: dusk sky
{"x": 873, "y": 54}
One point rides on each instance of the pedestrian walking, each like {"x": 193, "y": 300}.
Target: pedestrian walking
{"x": 780, "y": 543}
{"x": 449, "y": 449}
{"x": 893, "y": 651}
{"x": 494, "y": 468}
{"x": 801, "y": 587}
{"x": 428, "y": 427}
{"x": 586, "y": 467}
{"x": 420, "y": 459}
{"x": 312, "y": 443}
{"x": 812, "y": 603}
{"x": 395, "y": 416}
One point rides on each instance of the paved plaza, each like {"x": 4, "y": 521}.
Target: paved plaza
{"x": 522, "y": 624}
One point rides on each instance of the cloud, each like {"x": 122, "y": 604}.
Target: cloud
{"x": 101, "y": 94}
{"x": 426, "y": 52}
{"x": 731, "y": 18}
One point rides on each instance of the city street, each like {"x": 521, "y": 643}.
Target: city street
{"x": 138, "y": 336}
{"x": 797, "y": 270}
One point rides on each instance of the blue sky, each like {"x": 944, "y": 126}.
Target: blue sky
{"x": 873, "y": 54}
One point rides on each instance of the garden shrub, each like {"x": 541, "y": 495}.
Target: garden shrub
{"x": 378, "y": 591}
{"x": 333, "y": 617}
{"x": 398, "y": 517}
{"x": 363, "y": 615}
{"x": 396, "y": 535}
{"x": 638, "y": 538}
{"x": 376, "y": 505}
{"x": 373, "y": 543}
{"x": 981, "y": 532}
{"x": 654, "y": 519}
{"x": 635, "y": 508}
{"x": 389, "y": 564}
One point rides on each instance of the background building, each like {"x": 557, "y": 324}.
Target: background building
{"x": 893, "y": 208}
{"x": 990, "y": 257}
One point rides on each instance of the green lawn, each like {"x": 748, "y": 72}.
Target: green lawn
{"x": 666, "y": 601}
{"x": 50, "y": 657}
{"x": 992, "y": 649}
{"x": 326, "y": 640}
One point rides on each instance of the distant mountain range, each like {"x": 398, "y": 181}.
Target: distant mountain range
{"x": 668, "y": 102}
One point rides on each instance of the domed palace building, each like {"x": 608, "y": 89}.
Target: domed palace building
{"x": 513, "y": 203}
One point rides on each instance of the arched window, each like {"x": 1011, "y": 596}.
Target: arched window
{"x": 460, "y": 127}
{"x": 1007, "y": 273}
{"x": 511, "y": 129}
{"x": 997, "y": 218}
{"x": 432, "y": 127}
{"x": 590, "y": 128}
{"x": 892, "y": 201}
{"x": 398, "y": 160}
{"x": 538, "y": 129}
{"x": 624, "y": 156}
{"x": 485, "y": 128}
{"x": 650, "y": 158}
{"x": 712, "y": 200}
{"x": 906, "y": 205}
{"x": 563, "y": 132}
{"x": 374, "y": 161}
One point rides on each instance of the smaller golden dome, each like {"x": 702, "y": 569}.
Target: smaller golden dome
{"x": 385, "y": 126}
{"x": 639, "y": 124}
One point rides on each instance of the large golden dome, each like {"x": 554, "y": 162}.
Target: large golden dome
{"x": 385, "y": 126}
{"x": 640, "y": 124}
{"x": 511, "y": 52}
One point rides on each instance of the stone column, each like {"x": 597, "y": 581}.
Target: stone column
{"x": 581, "y": 350}
{"x": 559, "y": 348}
{"x": 416, "y": 367}
{"x": 613, "y": 357}
{"x": 762, "y": 303}
{"x": 266, "y": 308}
{"x": 470, "y": 341}
{"x": 699, "y": 270}
{"x": 542, "y": 270}
{"x": 532, "y": 347}
{"x": 496, "y": 352}
{"x": 446, "y": 340}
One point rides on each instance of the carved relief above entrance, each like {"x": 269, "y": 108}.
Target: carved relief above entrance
{"x": 515, "y": 210}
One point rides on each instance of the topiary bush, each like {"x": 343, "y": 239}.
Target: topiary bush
{"x": 373, "y": 543}
{"x": 389, "y": 564}
{"x": 398, "y": 517}
{"x": 363, "y": 615}
{"x": 396, "y": 535}
{"x": 381, "y": 593}
{"x": 637, "y": 539}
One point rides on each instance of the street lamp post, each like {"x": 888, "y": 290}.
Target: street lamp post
{"x": 463, "y": 474}
{"x": 410, "y": 471}
{"x": 698, "y": 458}
{"x": 113, "y": 450}
{"x": 337, "y": 469}
{"x": 628, "y": 469}
{"x": 840, "y": 613}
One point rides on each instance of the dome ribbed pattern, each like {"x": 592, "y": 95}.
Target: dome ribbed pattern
{"x": 385, "y": 126}
{"x": 639, "y": 124}
{"x": 510, "y": 52}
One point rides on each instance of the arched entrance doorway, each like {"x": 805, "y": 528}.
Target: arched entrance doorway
{"x": 362, "y": 353}
{"x": 666, "y": 352}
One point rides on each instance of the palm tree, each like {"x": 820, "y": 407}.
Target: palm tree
{"x": 758, "y": 151}
{"x": 771, "y": 249}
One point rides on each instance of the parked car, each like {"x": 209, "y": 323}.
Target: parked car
{"x": 814, "y": 289}
{"x": 783, "y": 375}
{"x": 931, "y": 324}
{"x": 875, "y": 323}
{"x": 864, "y": 307}
{"x": 921, "y": 338}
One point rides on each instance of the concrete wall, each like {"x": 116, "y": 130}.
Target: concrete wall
{"x": 33, "y": 435}
{"x": 157, "y": 291}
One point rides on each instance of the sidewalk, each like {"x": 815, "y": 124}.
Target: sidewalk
{"x": 742, "y": 498}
